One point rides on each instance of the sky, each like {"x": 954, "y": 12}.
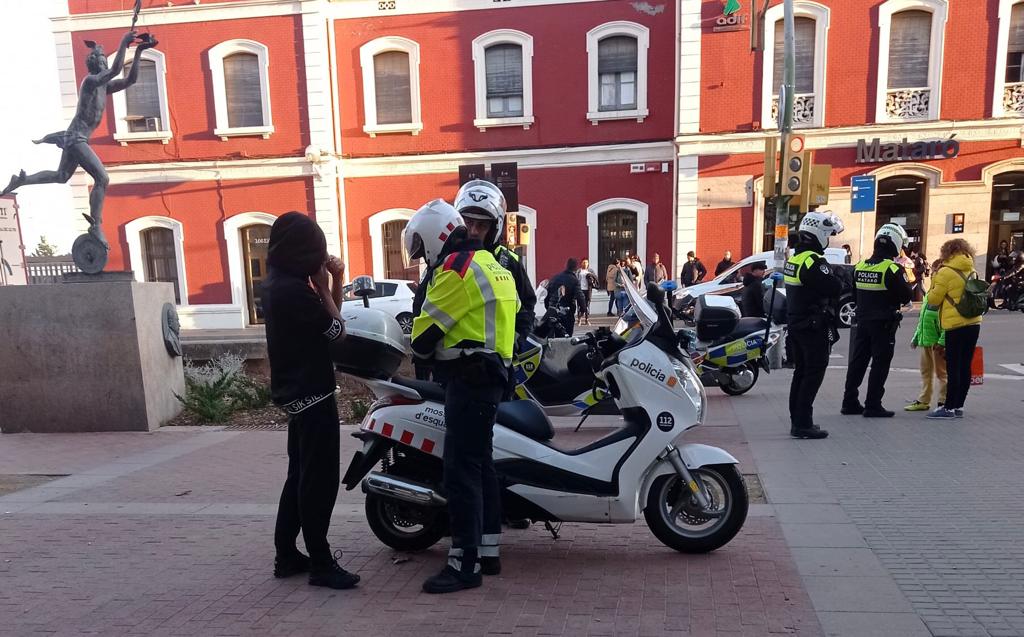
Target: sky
{"x": 30, "y": 108}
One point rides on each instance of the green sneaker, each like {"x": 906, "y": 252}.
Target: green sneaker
{"x": 917, "y": 406}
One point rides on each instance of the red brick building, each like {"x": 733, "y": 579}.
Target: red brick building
{"x": 637, "y": 126}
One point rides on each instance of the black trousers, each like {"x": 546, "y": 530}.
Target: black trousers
{"x": 872, "y": 342}
{"x": 311, "y": 488}
{"x": 810, "y": 358}
{"x": 960, "y": 344}
{"x": 471, "y": 484}
{"x": 584, "y": 310}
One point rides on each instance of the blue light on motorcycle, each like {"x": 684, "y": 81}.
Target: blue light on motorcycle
{"x": 777, "y": 276}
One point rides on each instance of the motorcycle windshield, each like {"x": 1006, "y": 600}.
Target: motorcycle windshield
{"x": 646, "y": 314}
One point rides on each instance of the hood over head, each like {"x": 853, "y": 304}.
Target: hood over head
{"x": 297, "y": 245}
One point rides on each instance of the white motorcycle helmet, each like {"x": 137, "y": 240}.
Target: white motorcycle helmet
{"x": 479, "y": 199}
{"x": 895, "y": 234}
{"x": 821, "y": 225}
{"x": 430, "y": 230}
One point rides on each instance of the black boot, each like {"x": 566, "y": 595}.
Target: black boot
{"x": 852, "y": 409}
{"x": 330, "y": 574}
{"x": 452, "y": 579}
{"x": 812, "y": 433}
{"x": 878, "y": 412}
{"x": 490, "y": 566}
{"x": 288, "y": 565}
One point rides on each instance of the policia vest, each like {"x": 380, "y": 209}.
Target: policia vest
{"x": 472, "y": 299}
{"x": 874, "y": 301}
{"x": 802, "y": 302}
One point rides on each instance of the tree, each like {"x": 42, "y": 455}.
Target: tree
{"x": 44, "y": 249}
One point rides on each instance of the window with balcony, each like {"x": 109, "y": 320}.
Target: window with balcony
{"x": 140, "y": 111}
{"x": 910, "y": 60}
{"x": 391, "y": 86}
{"x": 617, "y": 63}
{"x": 503, "y": 69}
{"x": 1008, "y": 100}
{"x": 811, "y": 31}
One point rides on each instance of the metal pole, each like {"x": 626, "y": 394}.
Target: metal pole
{"x": 786, "y": 97}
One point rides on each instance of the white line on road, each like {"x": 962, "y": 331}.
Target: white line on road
{"x": 1014, "y": 367}
{"x": 904, "y": 370}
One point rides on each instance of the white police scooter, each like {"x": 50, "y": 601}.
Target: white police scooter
{"x": 691, "y": 495}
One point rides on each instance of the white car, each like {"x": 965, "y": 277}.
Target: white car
{"x": 731, "y": 282}
{"x": 393, "y": 296}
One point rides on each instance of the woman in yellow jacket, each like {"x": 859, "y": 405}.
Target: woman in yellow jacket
{"x": 962, "y": 333}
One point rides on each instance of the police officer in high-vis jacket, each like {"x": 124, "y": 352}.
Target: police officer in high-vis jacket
{"x": 467, "y": 325}
{"x": 811, "y": 292}
{"x": 882, "y": 289}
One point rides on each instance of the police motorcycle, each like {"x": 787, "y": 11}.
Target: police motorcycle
{"x": 692, "y": 496}
{"x": 728, "y": 351}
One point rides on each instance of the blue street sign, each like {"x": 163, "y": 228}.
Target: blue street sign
{"x": 864, "y": 193}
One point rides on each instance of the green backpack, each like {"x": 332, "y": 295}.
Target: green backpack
{"x": 974, "y": 301}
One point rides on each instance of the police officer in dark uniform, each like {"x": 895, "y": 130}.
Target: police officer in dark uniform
{"x": 882, "y": 289}
{"x": 811, "y": 292}
{"x": 467, "y": 325}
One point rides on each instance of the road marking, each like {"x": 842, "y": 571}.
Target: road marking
{"x": 988, "y": 376}
{"x": 1014, "y": 367}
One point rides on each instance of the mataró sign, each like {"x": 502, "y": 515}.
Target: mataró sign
{"x": 875, "y": 152}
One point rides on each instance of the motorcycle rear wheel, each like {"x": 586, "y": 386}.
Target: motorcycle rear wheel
{"x": 738, "y": 389}
{"x": 404, "y": 526}
{"x": 675, "y": 518}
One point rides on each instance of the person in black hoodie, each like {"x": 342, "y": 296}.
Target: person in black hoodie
{"x": 302, "y": 318}
{"x": 564, "y": 289}
{"x": 752, "y": 298}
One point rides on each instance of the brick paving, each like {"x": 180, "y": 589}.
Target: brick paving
{"x": 170, "y": 533}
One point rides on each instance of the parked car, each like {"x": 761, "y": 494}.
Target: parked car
{"x": 730, "y": 282}
{"x": 393, "y": 296}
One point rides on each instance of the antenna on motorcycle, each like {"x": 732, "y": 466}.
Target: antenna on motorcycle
{"x": 363, "y": 287}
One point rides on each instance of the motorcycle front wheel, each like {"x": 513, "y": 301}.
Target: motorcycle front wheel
{"x": 403, "y": 526}
{"x": 742, "y": 379}
{"x": 676, "y": 519}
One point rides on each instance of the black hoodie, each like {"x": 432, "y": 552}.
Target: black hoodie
{"x": 299, "y": 327}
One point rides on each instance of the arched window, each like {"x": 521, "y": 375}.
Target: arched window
{"x": 241, "y": 89}
{"x": 140, "y": 111}
{"x": 391, "y": 86}
{"x": 911, "y": 40}
{"x": 616, "y": 227}
{"x": 812, "y": 24}
{"x": 156, "y": 252}
{"x": 503, "y": 69}
{"x": 617, "y": 71}
{"x": 1008, "y": 99}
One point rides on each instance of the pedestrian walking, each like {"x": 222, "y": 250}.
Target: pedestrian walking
{"x": 588, "y": 281}
{"x": 693, "y": 271}
{"x": 961, "y": 299}
{"x": 920, "y": 270}
{"x": 931, "y": 340}
{"x": 301, "y": 296}
{"x": 569, "y": 295}
{"x": 812, "y": 289}
{"x": 882, "y": 289}
{"x": 468, "y": 325}
{"x": 610, "y": 275}
{"x": 725, "y": 263}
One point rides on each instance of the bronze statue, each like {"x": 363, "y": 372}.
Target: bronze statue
{"x": 90, "y": 250}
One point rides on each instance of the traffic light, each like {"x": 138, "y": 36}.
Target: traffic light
{"x": 794, "y": 168}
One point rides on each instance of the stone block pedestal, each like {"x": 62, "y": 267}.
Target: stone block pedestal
{"x": 86, "y": 355}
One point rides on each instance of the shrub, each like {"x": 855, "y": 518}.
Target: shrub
{"x": 359, "y": 409}
{"x": 220, "y": 387}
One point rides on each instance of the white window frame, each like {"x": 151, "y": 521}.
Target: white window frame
{"x": 121, "y": 131}
{"x": 1003, "y": 44}
{"x": 377, "y": 221}
{"x": 940, "y": 11}
{"x": 136, "y": 259}
{"x": 236, "y": 268}
{"x": 366, "y": 54}
{"x": 594, "y": 213}
{"x": 821, "y": 16}
{"x": 220, "y": 98}
{"x": 643, "y": 43}
{"x": 480, "y": 45}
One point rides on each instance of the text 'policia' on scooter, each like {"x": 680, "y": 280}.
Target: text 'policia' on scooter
{"x": 692, "y": 496}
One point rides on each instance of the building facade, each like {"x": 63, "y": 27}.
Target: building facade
{"x": 637, "y": 127}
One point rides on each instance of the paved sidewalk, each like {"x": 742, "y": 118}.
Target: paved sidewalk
{"x": 170, "y": 533}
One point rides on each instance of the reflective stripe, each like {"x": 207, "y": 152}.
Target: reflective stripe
{"x": 490, "y": 539}
{"x": 438, "y": 315}
{"x": 489, "y": 551}
{"x": 490, "y": 305}
{"x": 454, "y": 353}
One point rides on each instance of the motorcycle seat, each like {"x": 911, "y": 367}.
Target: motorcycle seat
{"x": 745, "y": 327}
{"x": 425, "y": 388}
{"x": 526, "y": 417}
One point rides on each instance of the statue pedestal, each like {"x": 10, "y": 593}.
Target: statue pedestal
{"x": 87, "y": 356}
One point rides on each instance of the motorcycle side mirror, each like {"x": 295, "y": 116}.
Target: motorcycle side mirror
{"x": 363, "y": 287}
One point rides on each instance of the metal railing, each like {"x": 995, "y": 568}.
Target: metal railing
{"x": 43, "y": 270}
